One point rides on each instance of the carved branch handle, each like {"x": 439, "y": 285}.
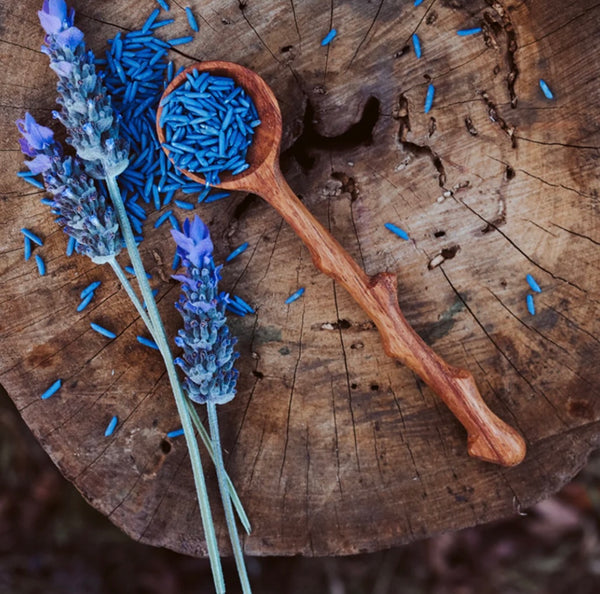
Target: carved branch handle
{"x": 489, "y": 438}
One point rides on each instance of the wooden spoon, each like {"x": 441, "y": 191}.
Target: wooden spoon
{"x": 489, "y": 438}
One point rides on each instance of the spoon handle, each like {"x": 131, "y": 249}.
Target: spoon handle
{"x": 489, "y": 438}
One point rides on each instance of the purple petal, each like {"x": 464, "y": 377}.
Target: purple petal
{"x": 70, "y": 38}
{"x": 194, "y": 243}
{"x": 51, "y": 24}
{"x": 57, "y": 8}
{"x": 26, "y": 148}
{"x": 182, "y": 241}
{"x": 40, "y": 164}
{"x": 37, "y": 136}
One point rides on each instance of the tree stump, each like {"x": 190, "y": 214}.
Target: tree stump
{"x": 334, "y": 447}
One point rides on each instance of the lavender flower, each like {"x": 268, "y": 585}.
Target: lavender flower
{"x": 81, "y": 209}
{"x": 208, "y": 355}
{"x": 86, "y": 110}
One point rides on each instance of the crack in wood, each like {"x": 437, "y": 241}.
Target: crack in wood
{"x": 520, "y": 373}
{"x": 506, "y": 25}
{"x": 289, "y": 413}
{"x": 496, "y": 118}
{"x": 362, "y": 41}
{"x": 401, "y": 114}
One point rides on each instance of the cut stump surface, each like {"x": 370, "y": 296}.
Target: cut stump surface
{"x": 334, "y": 447}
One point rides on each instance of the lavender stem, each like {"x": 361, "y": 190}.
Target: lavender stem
{"x": 204, "y": 436}
{"x": 186, "y": 423}
{"x": 131, "y": 294}
{"x": 226, "y": 499}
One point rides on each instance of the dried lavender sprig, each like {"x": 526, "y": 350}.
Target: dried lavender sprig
{"x": 86, "y": 112}
{"x": 160, "y": 337}
{"x": 206, "y": 440}
{"x": 78, "y": 203}
{"x": 80, "y": 207}
{"x": 88, "y": 116}
{"x": 208, "y": 351}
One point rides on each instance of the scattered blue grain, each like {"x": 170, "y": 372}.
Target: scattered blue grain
{"x": 52, "y": 389}
{"x": 175, "y": 433}
{"x": 176, "y": 261}
{"x": 156, "y": 197}
{"x": 111, "y": 427}
{"x": 465, "y": 32}
{"x": 27, "y": 247}
{"x": 34, "y": 182}
{"x": 132, "y": 271}
{"x": 163, "y": 217}
{"x": 162, "y": 23}
{"x": 89, "y": 289}
{"x": 240, "y": 169}
{"x": 397, "y": 230}
{"x": 429, "y": 98}
{"x": 237, "y": 251}
{"x": 85, "y": 302}
{"x": 180, "y": 40}
{"x": 147, "y": 342}
{"x": 530, "y": 304}
{"x": 202, "y": 195}
{"x": 191, "y": 19}
{"x": 235, "y": 308}
{"x": 174, "y": 223}
{"x": 533, "y": 284}
{"x": 150, "y": 20}
{"x": 417, "y": 45}
{"x": 25, "y": 173}
{"x": 136, "y": 224}
{"x": 47, "y": 201}
{"x": 71, "y": 245}
{"x": 417, "y": 2}
{"x": 103, "y": 331}
{"x": 136, "y": 80}
{"x": 239, "y": 301}
{"x": 329, "y": 37}
{"x": 41, "y": 265}
{"x": 295, "y": 296}
{"x": 546, "y": 89}
{"x": 217, "y": 196}
{"x": 31, "y": 235}
{"x": 163, "y": 5}
{"x": 185, "y": 205}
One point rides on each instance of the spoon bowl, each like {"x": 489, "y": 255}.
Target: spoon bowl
{"x": 266, "y": 141}
{"x": 489, "y": 438}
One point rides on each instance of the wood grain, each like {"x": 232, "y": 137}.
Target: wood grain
{"x": 335, "y": 448}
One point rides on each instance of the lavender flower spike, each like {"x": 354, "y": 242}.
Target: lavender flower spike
{"x": 86, "y": 112}
{"x": 81, "y": 209}
{"x": 208, "y": 355}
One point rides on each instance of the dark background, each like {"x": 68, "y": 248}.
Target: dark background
{"x": 52, "y": 541}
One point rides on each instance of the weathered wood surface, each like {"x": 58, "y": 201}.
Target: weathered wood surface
{"x": 334, "y": 447}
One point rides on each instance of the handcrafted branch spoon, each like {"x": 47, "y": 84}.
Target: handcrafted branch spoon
{"x": 489, "y": 438}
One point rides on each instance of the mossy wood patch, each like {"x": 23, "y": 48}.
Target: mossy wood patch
{"x": 334, "y": 447}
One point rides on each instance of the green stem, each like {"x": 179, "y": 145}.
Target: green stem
{"x": 207, "y": 442}
{"x": 132, "y": 294}
{"x": 229, "y": 516}
{"x": 193, "y": 413}
{"x": 161, "y": 340}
